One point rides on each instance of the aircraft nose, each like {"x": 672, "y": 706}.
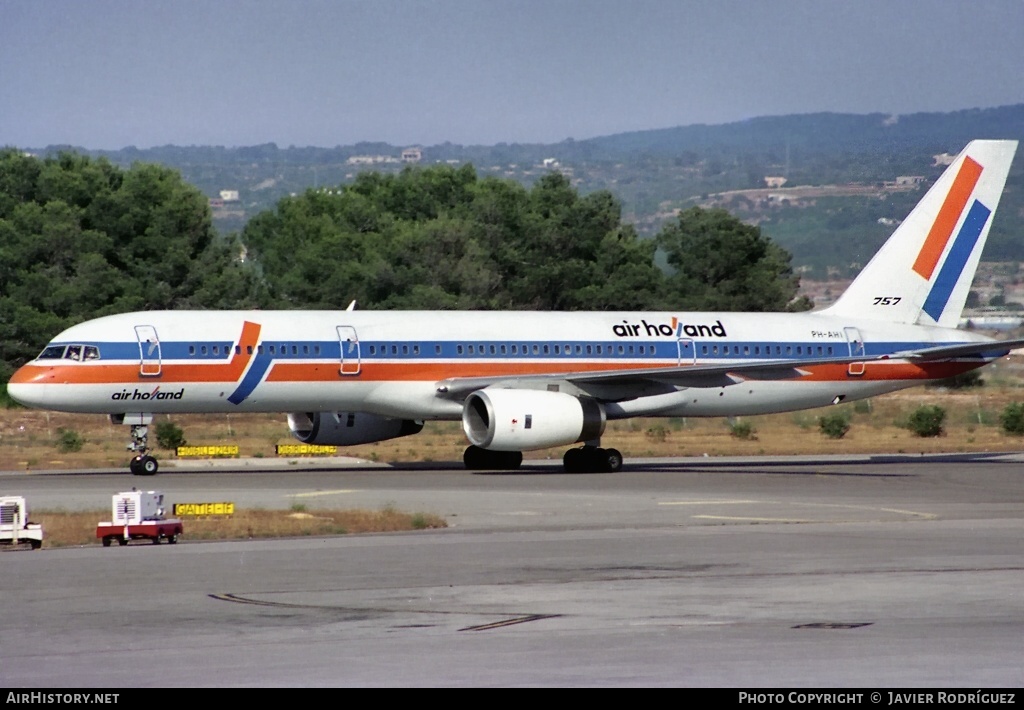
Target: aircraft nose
{"x": 24, "y": 386}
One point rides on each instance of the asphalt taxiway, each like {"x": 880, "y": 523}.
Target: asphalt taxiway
{"x": 883, "y": 572}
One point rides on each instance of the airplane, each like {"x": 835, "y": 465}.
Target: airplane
{"x": 524, "y": 381}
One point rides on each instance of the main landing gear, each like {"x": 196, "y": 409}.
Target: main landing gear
{"x": 592, "y": 459}
{"x": 587, "y": 459}
{"x": 477, "y": 459}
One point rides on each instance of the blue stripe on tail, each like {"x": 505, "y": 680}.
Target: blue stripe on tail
{"x": 955, "y": 262}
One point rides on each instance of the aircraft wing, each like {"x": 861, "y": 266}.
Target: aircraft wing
{"x": 648, "y": 378}
{"x": 659, "y": 378}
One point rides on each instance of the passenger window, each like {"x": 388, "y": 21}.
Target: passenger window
{"x": 458, "y": 349}
{"x": 191, "y": 349}
{"x": 202, "y": 349}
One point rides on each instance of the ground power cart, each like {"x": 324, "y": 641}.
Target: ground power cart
{"x": 139, "y": 515}
{"x": 15, "y": 528}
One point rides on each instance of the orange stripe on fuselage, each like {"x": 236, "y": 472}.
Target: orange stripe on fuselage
{"x": 948, "y": 216}
{"x": 888, "y": 371}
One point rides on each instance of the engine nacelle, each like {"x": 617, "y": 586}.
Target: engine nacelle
{"x": 523, "y": 420}
{"x": 348, "y": 428}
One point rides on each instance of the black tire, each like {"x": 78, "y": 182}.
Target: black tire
{"x": 172, "y": 539}
{"x": 35, "y": 544}
{"x": 149, "y": 466}
{"x": 121, "y": 541}
{"x": 156, "y": 539}
{"x": 473, "y": 458}
{"x": 511, "y": 459}
{"x": 572, "y": 461}
{"x": 106, "y": 542}
{"x": 135, "y": 466}
{"x": 612, "y": 461}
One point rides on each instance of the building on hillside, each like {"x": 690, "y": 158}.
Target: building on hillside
{"x": 412, "y": 155}
{"x": 774, "y": 181}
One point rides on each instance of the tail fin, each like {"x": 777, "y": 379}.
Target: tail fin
{"x": 923, "y": 273}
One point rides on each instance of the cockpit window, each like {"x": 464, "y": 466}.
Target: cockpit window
{"x": 52, "y": 352}
{"x": 70, "y": 352}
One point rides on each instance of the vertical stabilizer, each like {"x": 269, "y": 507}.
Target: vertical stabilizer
{"x": 923, "y": 273}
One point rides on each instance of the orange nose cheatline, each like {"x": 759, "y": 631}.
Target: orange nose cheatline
{"x": 25, "y": 385}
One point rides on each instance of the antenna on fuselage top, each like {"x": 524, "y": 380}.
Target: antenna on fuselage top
{"x": 351, "y": 306}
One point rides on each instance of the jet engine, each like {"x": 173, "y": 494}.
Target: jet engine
{"x": 348, "y": 428}
{"x": 523, "y": 420}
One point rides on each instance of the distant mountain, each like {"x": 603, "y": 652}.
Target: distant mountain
{"x": 822, "y": 133}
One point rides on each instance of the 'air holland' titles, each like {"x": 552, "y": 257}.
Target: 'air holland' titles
{"x": 146, "y": 396}
{"x": 673, "y": 329}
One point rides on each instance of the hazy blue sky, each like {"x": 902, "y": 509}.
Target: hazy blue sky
{"x": 113, "y": 73}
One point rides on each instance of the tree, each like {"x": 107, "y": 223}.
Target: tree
{"x": 437, "y": 237}
{"x": 81, "y": 238}
{"x": 720, "y": 263}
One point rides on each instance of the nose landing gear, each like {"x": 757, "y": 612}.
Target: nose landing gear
{"x": 142, "y": 464}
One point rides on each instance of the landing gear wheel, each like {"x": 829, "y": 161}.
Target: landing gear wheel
{"x": 591, "y": 459}
{"x": 612, "y": 461}
{"x": 572, "y": 461}
{"x": 144, "y": 466}
{"x": 477, "y": 459}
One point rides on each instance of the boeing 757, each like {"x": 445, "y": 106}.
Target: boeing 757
{"x": 524, "y": 381}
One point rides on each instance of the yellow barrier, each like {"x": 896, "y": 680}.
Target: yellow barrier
{"x": 214, "y": 451}
{"x": 305, "y": 450}
{"x": 204, "y": 508}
